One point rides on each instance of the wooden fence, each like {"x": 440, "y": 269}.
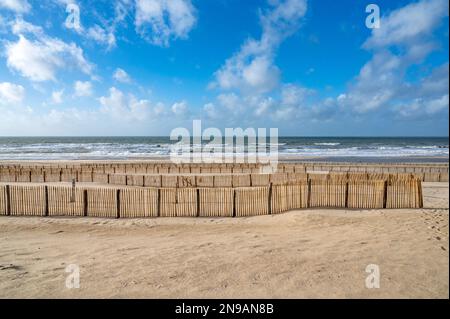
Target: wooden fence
{"x": 99, "y": 172}
{"x": 3, "y": 200}
{"x": 141, "y": 202}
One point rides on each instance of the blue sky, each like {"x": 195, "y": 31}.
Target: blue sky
{"x": 145, "y": 67}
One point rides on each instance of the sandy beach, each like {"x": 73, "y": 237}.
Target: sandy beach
{"x": 302, "y": 254}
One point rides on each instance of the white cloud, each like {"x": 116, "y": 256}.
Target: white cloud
{"x": 159, "y": 109}
{"x": 160, "y": 21}
{"x": 115, "y": 103}
{"x": 65, "y": 2}
{"x": 294, "y": 95}
{"x": 381, "y": 84}
{"x": 39, "y": 59}
{"x": 261, "y": 74}
{"x": 129, "y": 108}
{"x": 376, "y": 83}
{"x": 421, "y": 108}
{"x": 57, "y": 97}
{"x": 118, "y": 113}
{"x": 252, "y": 69}
{"x": 19, "y": 6}
{"x": 435, "y": 84}
{"x": 404, "y": 39}
{"x": 20, "y": 26}
{"x": 210, "y": 110}
{"x": 102, "y": 36}
{"x": 231, "y": 101}
{"x": 264, "y": 106}
{"x": 408, "y": 24}
{"x": 121, "y": 10}
{"x": 285, "y": 113}
{"x": 437, "y": 105}
{"x": 83, "y": 89}
{"x": 121, "y": 75}
{"x": 180, "y": 108}
{"x": 11, "y": 93}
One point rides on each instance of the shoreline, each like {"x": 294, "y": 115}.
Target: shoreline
{"x": 281, "y": 159}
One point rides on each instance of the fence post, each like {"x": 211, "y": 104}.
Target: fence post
{"x": 309, "y": 193}
{"x": 198, "y": 202}
{"x": 234, "y": 202}
{"x": 270, "y": 199}
{"x": 419, "y": 190}
{"x": 385, "y": 194}
{"x": 118, "y": 203}
{"x": 8, "y": 201}
{"x": 158, "y": 214}
{"x": 85, "y": 202}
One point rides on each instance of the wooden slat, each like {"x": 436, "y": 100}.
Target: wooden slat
{"x": 60, "y": 201}
{"x": 181, "y": 202}
{"x": 138, "y": 202}
{"x": 27, "y": 200}
{"x": 3, "y": 200}
{"x": 102, "y": 202}
{"x": 252, "y": 201}
{"x": 216, "y": 202}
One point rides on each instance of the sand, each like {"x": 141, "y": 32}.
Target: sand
{"x": 320, "y": 253}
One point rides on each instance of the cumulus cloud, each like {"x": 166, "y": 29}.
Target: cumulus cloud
{"x": 102, "y": 36}
{"x": 409, "y": 24}
{"x": 404, "y": 39}
{"x": 18, "y": 6}
{"x": 160, "y": 21}
{"x": 294, "y": 95}
{"x": 57, "y": 97}
{"x": 11, "y": 93}
{"x": 20, "y": 26}
{"x": 121, "y": 75}
{"x": 128, "y": 108}
{"x": 180, "y": 109}
{"x": 83, "y": 89}
{"x": 264, "y": 106}
{"x": 39, "y": 57}
{"x": 210, "y": 111}
{"x": 117, "y": 113}
{"x": 252, "y": 68}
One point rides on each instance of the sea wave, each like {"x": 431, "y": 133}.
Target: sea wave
{"x": 327, "y": 144}
{"x": 123, "y": 148}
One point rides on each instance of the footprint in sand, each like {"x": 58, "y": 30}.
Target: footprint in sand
{"x": 436, "y": 221}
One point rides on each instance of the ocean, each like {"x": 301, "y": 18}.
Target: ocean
{"x": 327, "y": 148}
